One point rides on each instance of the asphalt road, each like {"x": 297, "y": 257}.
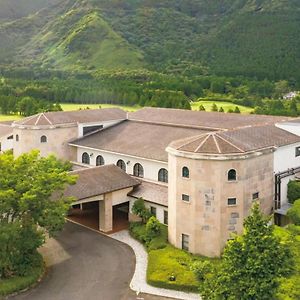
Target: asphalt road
{"x": 84, "y": 265}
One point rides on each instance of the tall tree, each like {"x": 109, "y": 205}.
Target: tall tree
{"x": 251, "y": 264}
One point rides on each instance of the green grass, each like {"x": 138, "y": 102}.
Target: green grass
{"x": 9, "y": 117}
{"x": 70, "y": 106}
{"x": 166, "y": 261}
{"x": 226, "y": 106}
{"x": 19, "y": 283}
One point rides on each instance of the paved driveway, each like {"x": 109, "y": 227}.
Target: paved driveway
{"x": 85, "y": 265}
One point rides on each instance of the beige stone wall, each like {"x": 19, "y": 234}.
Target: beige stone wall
{"x": 57, "y": 141}
{"x": 207, "y": 218}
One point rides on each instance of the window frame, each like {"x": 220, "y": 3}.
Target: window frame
{"x": 138, "y": 170}
{"x": 166, "y": 217}
{"x": 185, "y": 172}
{"x": 17, "y": 138}
{"x": 185, "y": 242}
{"x": 153, "y": 211}
{"x": 185, "y": 196}
{"x": 43, "y": 139}
{"x": 101, "y": 159}
{"x": 86, "y": 155}
{"x": 231, "y": 198}
{"x": 163, "y": 175}
{"x": 254, "y": 198}
{"x": 297, "y": 151}
{"x": 122, "y": 166}
{"x": 235, "y": 175}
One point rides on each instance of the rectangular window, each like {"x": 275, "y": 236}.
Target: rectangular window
{"x": 231, "y": 201}
{"x": 297, "y": 151}
{"x": 255, "y": 196}
{"x": 185, "y": 197}
{"x": 166, "y": 217}
{"x": 153, "y": 211}
{"x": 185, "y": 242}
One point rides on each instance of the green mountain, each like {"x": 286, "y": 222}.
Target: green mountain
{"x": 256, "y": 38}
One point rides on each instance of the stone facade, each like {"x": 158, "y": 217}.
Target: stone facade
{"x": 207, "y": 218}
{"x": 57, "y": 140}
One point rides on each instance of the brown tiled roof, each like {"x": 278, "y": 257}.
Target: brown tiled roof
{"x": 237, "y": 141}
{"x": 99, "y": 180}
{"x": 5, "y": 130}
{"x": 152, "y": 192}
{"x": 137, "y": 139}
{"x": 69, "y": 117}
{"x": 214, "y": 120}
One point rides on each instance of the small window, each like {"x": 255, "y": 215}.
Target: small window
{"x": 166, "y": 221}
{"x": 255, "y": 196}
{"x": 297, "y": 151}
{"x": 153, "y": 211}
{"x": 100, "y": 160}
{"x": 163, "y": 175}
{"x": 185, "y": 242}
{"x": 17, "y": 137}
{"x": 185, "y": 197}
{"x": 43, "y": 139}
{"x": 85, "y": 158}
{"x": 232, "y": 175}
{"x": 138, "y": 170}
{"x": 185, "y": 172}
{"x": 121, "y": 164}
{"x": 231, "y": 201}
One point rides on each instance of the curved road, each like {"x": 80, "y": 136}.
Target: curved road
{"x": 84, "y": 265}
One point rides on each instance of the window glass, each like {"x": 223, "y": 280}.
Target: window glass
{"x": 166, "y": 217}
{"x": 163, "y": 175}
{"x": 185, "y": 242}
{"x": 231, "y": 201}
{"x": 185, "y": 172}
{"x": 138, "y": 170}
{"x": 153, "y": 211}
{"x": 232, "y": 175}
{"x": 100, "y": 160}
{"x": 121, "y": 164}
{"x": 85, "y": 158}
{"x": 185, "y": 197}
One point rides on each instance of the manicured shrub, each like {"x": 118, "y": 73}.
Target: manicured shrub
{"x": 140, "y": 210}
{"x": 152, "y": 228}
{"x": 293, "y": 191}
{"x": 294, "y": 212}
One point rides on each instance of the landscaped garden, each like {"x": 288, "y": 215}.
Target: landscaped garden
{"x": 242, "y": 262}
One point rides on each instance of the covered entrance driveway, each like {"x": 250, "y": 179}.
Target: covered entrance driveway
{"x": 101, "y": 198}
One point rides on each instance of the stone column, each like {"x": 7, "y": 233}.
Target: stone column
{"x": 106, "y": 214}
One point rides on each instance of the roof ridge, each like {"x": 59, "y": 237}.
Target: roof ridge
{"x": 47, "y": 118}
{"x": 203, "y": 142}
{"x": 23, "y": 121}
{"x": 230, "y": 143}
{"x": 39, "y": 116}
{"x": 192, "y": 140}
{"x": 217, "y": 144}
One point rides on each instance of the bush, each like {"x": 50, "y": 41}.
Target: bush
{"x": 294, "y": 212}
{"x": 19, "y": 283}
{"x": 140, "y": 210}
{"x": 293, "y": 191}
{"x": 202, "y": 268}
{"x": 152, "y": 228}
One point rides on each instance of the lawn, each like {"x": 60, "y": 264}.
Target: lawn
{"x": 226, "y": 105}
{"x": 9, "y": 117}
{"x": 72, "y": 106}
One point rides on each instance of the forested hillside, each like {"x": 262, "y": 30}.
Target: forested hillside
{"x": 252, "y": 38}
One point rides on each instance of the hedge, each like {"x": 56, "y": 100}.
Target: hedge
{"x": 18, "y": 283}
{"x": 293, "y": 191}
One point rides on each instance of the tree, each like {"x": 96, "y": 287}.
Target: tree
{"x": 201, "y": 108}
{"x": 28, "y": 208}
{"x": 221, "y": 109}
{"x": 252, "y": 263}
{"x": 140, "y": 210}
{"x": 237, "y": 110}
{"x": 214, "y": 107}
{"x": 294, "y": 213}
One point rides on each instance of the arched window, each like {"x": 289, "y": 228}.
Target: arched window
{"x": 100, "y": 160}
{"x": 17, "y": 137}
{"x": 185, "y": 172}
{"x": 232, "y": 175}
{"x": 85, "y": 158}
{"x": 43, "y": 139}
{"x": 163, "y": 175}
{"x": 138, "y": 170}
{"x": 121, "y": 164}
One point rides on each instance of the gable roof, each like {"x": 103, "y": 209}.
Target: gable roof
{"x": 237, "y": 141}
{"x": 202, "y": 119}
{"x": 70, "y": 117}
{"x": 98, "y": 181}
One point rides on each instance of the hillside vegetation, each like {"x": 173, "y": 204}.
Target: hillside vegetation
{"x": 255, "y": 38}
